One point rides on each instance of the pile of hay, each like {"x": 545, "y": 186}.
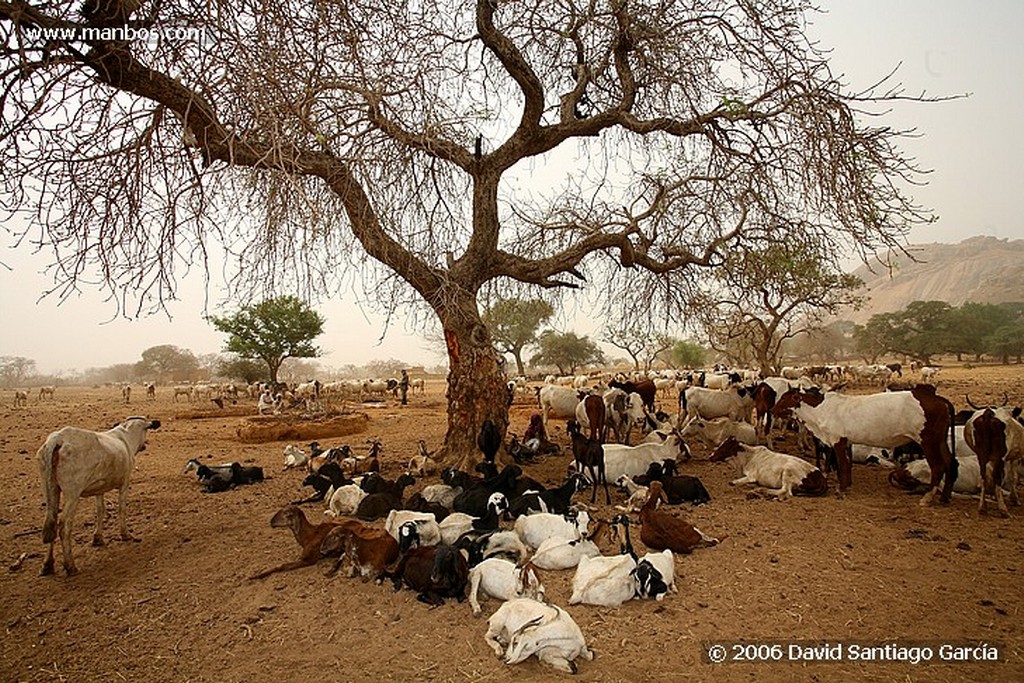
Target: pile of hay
{"x": 264, "y": 428}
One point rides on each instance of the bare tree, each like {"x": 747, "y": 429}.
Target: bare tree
{"x": 759, "y": 299}
{"x": 642, "y": 344}
{"x": 302, "y": 138}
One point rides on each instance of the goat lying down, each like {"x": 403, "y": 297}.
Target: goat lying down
{"x": 784, "y": 475}
{"x": 523, "y": 627}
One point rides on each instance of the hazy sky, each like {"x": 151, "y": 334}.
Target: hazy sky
{"x": 975, "y": 147}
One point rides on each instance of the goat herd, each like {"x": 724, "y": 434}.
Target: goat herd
{"x": 490, "y": 531}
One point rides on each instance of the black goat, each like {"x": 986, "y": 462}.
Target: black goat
{"x": 418, "y": 503}
{"x": 556, "y": 501}
{"x": 473, "y": 501}
{"x": 436, "y": 571}
{"x": 329, "y": 475}
{"x": 489, "y": 440}
{"x": 378, "y": 505}
{"x": 588, "y": 453}
{"x": 219, "y": 478}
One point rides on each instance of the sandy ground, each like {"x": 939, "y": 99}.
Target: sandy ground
{"x": 873, "y": 567}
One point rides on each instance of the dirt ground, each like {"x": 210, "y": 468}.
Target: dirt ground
{"x": 872, "y": 567}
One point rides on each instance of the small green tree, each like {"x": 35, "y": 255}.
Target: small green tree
{"x": 689, "y": 355}
{"x": 1006, "y": 341}
{"x": 245, "y": 369}
{"x": 566, "y": 351}
{"x": 272, "y": 330}
{"x": 514, "y": 324}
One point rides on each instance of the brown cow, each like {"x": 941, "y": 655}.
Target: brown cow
{"x": 996, "y": 437}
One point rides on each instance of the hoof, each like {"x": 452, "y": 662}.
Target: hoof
{"x": 97, "y": 542}
{"x": 70, "y": 571}
{"x": 47, "y": 569}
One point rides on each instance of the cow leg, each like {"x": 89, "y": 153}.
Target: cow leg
{"x": 743, "y": 480}
{"x": 97, "y": 537}
{"x": 844, "y": 464}
{"x": 122, "y": 512}
{"x": 65, "y": 526}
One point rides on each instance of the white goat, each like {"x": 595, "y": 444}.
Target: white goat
{"x": 78, "y": 462}
{"x": 537, "y": 528}
{"x": 344, "y": 500}
{"x": 634, "y": 460}
{"x": 563, "y": 553}
{"x": 442, "y": 494}
{"x": 604, "y": 581}
{"x": 524, "y": 627}
{"x": 426, "y": 525}
{"x": 295, "y": 457}
{"x": 637, "y": 494}
{"x": 501, "y": 579}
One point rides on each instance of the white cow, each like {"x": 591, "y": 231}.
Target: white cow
{"x": 81, "y": 463}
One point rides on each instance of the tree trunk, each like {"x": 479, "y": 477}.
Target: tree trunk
{"x": 518, "y": 355}
{"x": 476, "y": 387}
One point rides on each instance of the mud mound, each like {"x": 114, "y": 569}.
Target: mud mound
{"x": 264, "y": 428}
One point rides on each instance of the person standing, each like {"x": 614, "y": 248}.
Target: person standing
{"x": 403, "y": 386}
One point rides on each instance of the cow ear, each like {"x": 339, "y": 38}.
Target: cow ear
{"x": 154, "y": 424}
{"x": 1016, "y": 411}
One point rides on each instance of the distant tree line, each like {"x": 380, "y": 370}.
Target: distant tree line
{"x": 928, "y": 328}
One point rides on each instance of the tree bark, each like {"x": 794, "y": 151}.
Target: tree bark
{"x": 518, "y": 355}
{"x": 476, "y": 386}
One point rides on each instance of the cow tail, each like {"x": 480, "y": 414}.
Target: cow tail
{"x": 49, "y": 460}
{"x": 953, "y": 469}
{"x": 814, "y": 484}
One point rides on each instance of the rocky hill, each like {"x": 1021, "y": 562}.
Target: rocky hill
{"x": 981, "y": 269}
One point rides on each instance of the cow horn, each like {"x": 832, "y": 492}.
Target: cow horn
{"x": 971, "y": 403}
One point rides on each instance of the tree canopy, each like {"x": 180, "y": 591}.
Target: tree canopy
{"x": 514, "y": 324}
{"x": 313, "y": 142}
{"x": 167, "y": 363}
{"x": 762, "y": 297}
{"x": 566, "y": 350}
{"x": 272, "y": 330}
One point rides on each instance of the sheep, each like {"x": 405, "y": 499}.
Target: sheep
{"x": 79, "y": 462}
{"x": 501, "y": 579}
{"x": 633, "y": 460}
{"x": 219, "y": 478}
{"x": 426, "y": 525}
{"x": 417, "y": 503}
{"x": 660, "y": 530}
{"x": 369, "y": 551}
{"x": 637, "y": 494}
{"x": 330, "y": 476}
{"x": 441, "y": 493}
{"x": 655, "y": 572}
{"x": 564, "y": 553}
{"x": 553, "y": 500}
{"x": 535, "y": 529}
{"x": 310, "y": 537}
{"x": 436, "y": 571}
{"x": 524, "y": 627}
{"x": 489, "y": 440}
{"x": 503, "y": 544}
{"x": 604, "y": 581}
{"x": 295, "y": 457}
{"x": 422, "y": 464}
{"x": 459, "y": 523}
{"x": 344, "y": 500}
{"x": 388, "y": 498}
{"x": 588, "y": 453}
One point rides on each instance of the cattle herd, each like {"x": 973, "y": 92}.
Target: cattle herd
{"x": 487, "y": 532}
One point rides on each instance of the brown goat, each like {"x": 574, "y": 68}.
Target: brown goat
{"x": 367, "y": 549}
{"x": 307, "y": 535}
{"x": 661, "y": 530}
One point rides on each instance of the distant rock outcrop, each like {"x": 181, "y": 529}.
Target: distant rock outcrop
{"x": 980, "y": 269}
